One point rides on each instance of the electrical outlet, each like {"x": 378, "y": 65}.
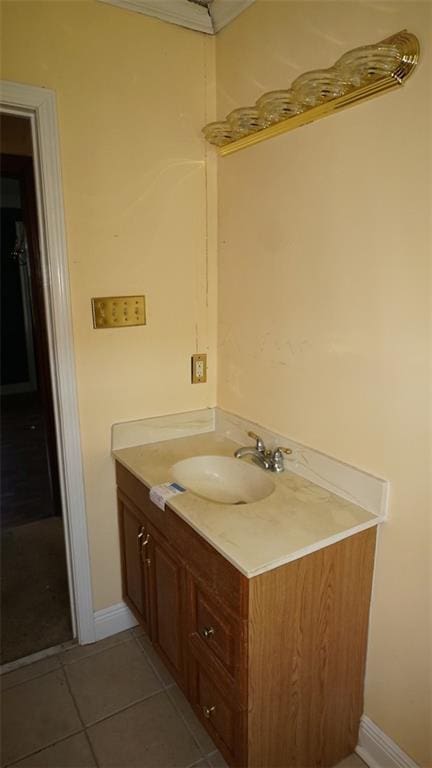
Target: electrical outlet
{"x": 199, "y": 369}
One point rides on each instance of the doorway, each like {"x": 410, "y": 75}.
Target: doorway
{"x": 36, "y": 606}
{"x": 38, "y": 106}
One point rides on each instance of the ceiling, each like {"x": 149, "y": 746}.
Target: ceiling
{"x": 207, "y": 16}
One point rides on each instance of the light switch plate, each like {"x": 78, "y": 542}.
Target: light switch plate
{"x": 118, "y": 311}
{"x": 199, "y": 369}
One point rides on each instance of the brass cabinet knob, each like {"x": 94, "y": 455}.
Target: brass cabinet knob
{"x": 144, "y": 544}
{"x": 140, "y": 537}
{"x": 207, "y": 632}
{"x": 208, "y": 711}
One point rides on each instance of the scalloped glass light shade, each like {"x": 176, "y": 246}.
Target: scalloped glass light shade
{"x": 218, "y": 133}
{"x": 322, "y": 85}
{"x": 365, "y": 65}
{"x": 358, "y": 75}
{"x": 278, "y": 105}
{"x": 244, "y": 121}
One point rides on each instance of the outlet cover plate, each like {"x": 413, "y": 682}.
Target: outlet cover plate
{"x": 199, "y": 369}
{"x": 118, "y": 311}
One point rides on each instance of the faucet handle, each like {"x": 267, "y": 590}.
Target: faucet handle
{"x": 259, "y": 441}
{"x": 278, "y": 460}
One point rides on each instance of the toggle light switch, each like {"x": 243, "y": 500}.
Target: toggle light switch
{"x": 118, "y": 311}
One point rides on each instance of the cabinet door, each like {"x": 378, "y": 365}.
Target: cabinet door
{"x": 133, "y": 538}
{"x": 166, "y": 574}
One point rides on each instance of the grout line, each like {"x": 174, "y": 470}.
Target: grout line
{"x": 94, "y": 652}
{"x": 188, "y": 727}
{"x": 55, "y": 652}
{"x": 198, "y": 762}
{"x": 29, "y": 679}
{"x": 33, "y": 658}
{"x": 163, "y": 690}
{"x": 125, "y": 708}
{"x": 91, "y": 747}
{"x": 177, "y": 710}
{"x": 73, "y": 698}
{"x": 141, "y": 648}
{"x": 80, "y": 717}
{"x": 41, "y": 749}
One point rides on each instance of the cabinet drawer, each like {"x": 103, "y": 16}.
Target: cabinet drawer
{"x": 225, "y": 723}
{"x": 214, "y": 632}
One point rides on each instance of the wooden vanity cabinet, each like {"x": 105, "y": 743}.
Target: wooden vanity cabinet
{"x": 273, "y": 665}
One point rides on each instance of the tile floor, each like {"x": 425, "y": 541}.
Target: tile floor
{"x": 112, "y": 704}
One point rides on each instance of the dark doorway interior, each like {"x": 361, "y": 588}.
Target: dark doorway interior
{"x": 34, "y": 589}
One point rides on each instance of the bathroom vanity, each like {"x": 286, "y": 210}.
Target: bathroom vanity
{"x": 268, "y": 644}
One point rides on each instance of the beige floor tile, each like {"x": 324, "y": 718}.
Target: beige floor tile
{"x": 79, "y": 652}
{"x": 74, "y": 752}
{"x": 155, "y": 661}
{"x": 35, "y": 714}
{"x": 29, "y": 671}
{"x": 111, "y": 680}
{"x": 148, "y": 735}
{"x": 352, "y": 761}
{"x": 216, "y": 760}
{"x": 201, "y": 764}
{"x": 185, "y": 710}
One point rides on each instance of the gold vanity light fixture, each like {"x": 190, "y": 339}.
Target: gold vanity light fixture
{"x": 358, "y": 75}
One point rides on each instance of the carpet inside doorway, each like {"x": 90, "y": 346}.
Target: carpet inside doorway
{"x": 34, "y": 589}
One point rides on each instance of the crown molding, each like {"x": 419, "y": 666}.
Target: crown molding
{"x": 224, "y": 11}
{"x": 187, "y": 13}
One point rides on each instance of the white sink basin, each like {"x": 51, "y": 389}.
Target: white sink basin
{"x": 222, "y": 479}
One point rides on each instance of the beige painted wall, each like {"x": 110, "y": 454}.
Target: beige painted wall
{"x": 324, "y": 245}
{"x": 132, "y": 98}
{"x": 324, "y": 301}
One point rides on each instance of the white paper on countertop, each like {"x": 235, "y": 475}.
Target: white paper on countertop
{"x": 160, "y": 494}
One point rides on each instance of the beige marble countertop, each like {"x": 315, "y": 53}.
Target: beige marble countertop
{"x": 297, "y": 518}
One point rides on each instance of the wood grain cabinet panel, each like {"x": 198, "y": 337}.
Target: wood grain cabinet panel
{"x": 166, "y": 576}
{"x": 307, "y": 649}
{"x": 273, "y": 665}
{"x": 132, "y": 529}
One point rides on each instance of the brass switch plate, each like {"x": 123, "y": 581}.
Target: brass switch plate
{"x": 118, "y": 311}
{"x": 199, "y": 369}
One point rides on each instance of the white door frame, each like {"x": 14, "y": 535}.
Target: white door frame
{"x": 39, "y": 105}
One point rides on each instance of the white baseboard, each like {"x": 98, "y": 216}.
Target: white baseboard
{"x": 110, "y": 621}
{"x": 378, "y": 750}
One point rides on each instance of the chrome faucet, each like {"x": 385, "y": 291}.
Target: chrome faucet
{"x": 266, "y": 458}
